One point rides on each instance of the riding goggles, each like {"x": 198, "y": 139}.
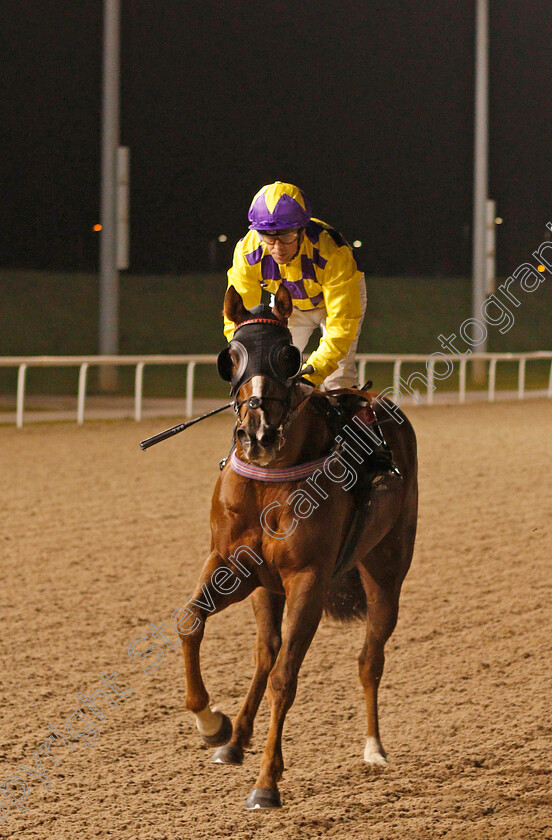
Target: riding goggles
{"x": 286, "y": 238}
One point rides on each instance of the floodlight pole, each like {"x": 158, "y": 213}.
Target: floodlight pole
{"x": 109, "y": 275}
{"x": 480, "y": 171}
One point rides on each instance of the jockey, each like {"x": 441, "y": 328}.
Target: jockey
{"x": 285, "y": 245}
{"x": 318, "y": 268}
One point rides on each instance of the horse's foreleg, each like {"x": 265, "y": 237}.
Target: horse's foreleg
{"x": 208, "y": 598}
{"x": 305, "y": 599}
{"x": 268, "y": 608}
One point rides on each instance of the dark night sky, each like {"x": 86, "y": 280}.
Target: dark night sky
{"x": 368, "y": 106}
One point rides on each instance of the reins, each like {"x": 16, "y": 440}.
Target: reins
{"x": 287, "y": 415}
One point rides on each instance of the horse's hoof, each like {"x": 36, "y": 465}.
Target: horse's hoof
{"x": 222, "y": 736}
{"x": 262, "y": 798}
{"x": 228, "y": 754}
{"x": 376, "y": 765}
{"x": 374, "y": 755}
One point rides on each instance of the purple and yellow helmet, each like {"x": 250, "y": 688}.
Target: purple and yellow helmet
{"x": 279, "y": 206}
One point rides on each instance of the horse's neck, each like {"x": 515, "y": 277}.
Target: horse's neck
{"x": 307, "y": 437}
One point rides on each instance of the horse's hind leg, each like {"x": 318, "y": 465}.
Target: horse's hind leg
{"x": 382, "y": 574}
{"x": 380, "y": 622}
{"x": 268, "y": 608}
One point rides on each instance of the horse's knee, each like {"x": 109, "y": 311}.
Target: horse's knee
{"x": 267, "y": 651}
{"x": 189, "y": 623}
{"x": 282, "y": 687}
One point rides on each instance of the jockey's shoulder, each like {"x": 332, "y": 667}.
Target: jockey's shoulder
{"x": 321, "y": 234}
{"x": 249, "y": 243}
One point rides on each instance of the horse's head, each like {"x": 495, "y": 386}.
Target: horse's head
{"x": 260, "y": 363}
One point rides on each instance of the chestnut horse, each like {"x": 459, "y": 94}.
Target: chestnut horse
{"x": 270, "y": 541}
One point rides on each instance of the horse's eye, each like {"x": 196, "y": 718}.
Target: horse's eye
{"x": 289, "y": 361}
{"x": 232, "y": 362}
{"x": 225, "y": 364}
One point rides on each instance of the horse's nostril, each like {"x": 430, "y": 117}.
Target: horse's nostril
{"x": 242, "y": 436}
{"x": 268, "y": 437}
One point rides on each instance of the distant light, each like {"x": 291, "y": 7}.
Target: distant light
{"x": 97, "y": 228}
{"x": 498, "y": 220}
{"x": 357, "y": 243}
{"x": 541, "y": 268}
{"x": 223, "y": 238}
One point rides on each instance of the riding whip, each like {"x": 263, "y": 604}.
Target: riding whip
{"x": 174, "y": 430}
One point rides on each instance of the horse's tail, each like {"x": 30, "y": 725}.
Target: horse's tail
{"x": 346, "y": 600}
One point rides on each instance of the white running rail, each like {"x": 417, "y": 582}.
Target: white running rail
{"x": 428, "y": 376}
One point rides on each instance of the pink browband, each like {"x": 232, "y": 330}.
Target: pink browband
{"x": 277, "y": 323}
{"x": 296, "y": 473}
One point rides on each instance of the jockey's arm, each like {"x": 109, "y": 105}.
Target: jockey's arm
{"x": 341, "y": 291}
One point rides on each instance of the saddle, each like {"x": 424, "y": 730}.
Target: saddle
{"x": 347, "y": 410}
{"x": 342, "y": 404}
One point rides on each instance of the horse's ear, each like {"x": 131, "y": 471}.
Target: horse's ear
{"x": 283, "y": 307}
{"x": 233, "y": 306}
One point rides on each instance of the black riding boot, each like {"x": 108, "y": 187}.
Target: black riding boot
{"x": 382, "y": 461}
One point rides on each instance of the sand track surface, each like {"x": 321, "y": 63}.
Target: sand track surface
{"x": 99, "y": 540}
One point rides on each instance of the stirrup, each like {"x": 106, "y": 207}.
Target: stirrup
{"x": 384, "y": 465}
{"x": 393, "y": 473}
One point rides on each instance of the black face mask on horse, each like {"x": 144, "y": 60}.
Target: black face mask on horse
{"x": 263, "y": 367}
{"x": 261, "y": 346}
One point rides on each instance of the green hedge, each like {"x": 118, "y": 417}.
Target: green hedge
{"x": 45, "y": 313}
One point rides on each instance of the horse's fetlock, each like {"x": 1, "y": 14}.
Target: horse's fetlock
{"x": 197, "y": 704}
{"x": 242, "y": 735}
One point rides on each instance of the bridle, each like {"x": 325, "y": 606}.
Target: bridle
{"x": 257, "y": 402}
